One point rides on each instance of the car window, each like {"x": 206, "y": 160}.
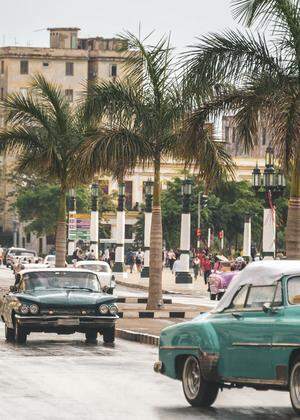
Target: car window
{"x": 293, "y": 287}
{"x": 238, "y": 301}
{"x": 258, "y": 295}
{"x": 95, "y": 267}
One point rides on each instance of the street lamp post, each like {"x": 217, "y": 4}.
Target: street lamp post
{"x": 184, "y": 276}
{"x": 147, "y": 228}
{"x": 247, "y": 237}
{"x": 119, "y": 267}
{"x": 270, "y": 186}
{"x": 94, "y": 229}
{"x": 72, "y": 227}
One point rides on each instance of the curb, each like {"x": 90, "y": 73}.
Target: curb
{"x": 159, "y": 314}
{"x": 140, "y": 300}
{"x": 142, "y": 338}
{"x": 139, "y": 286}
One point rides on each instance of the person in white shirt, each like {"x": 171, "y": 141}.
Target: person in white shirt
{"x": 176, "y": 266}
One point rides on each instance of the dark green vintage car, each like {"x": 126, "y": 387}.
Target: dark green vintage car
{"x": 252, "y": 338}
{"x": 62, "y": 301}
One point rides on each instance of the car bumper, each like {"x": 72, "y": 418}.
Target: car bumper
{"x": 44, "y": 322}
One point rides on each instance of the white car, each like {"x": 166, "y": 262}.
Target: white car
{"x": 13, "y": 254}
{"x": 103, "y": 270}
{"x": 49, "y": 260}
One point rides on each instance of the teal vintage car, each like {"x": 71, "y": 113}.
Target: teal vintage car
{"x": 252, "y": 338}
{"x": 62, "y": 301}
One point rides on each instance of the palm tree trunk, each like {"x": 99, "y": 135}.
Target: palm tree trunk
{"x": 155, "y": 265}
{"x": 293, "y": 220}
{"x": 61, "y": 240}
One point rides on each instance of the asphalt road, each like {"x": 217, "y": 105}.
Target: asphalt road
{"x": 60, "y": 377}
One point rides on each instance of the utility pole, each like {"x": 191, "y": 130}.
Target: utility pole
{"x": 94, "y": 228}
{"x": 147, "y": 228}
{"x": 199, "y": 220}
{"x": 72, "y": 227}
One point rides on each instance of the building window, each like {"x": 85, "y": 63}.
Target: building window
{"x": 264, "y": 136}
{"x": 24, "y": 67}
{"x": 233, "y": 135}
{"x": 2, "y": 93}
{"x": 45, "y": 64}
{"x": 69, "y": 69}
{"x": 128, "y": 195}
{"x": 227, "y": 134}
{"x": 69, "y": 95}
{"x": 128, "y": 232}
{"x": 2, "y": 67}
{"x": 113, "y": 70}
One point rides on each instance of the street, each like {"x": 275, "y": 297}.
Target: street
{"x": 60, "y": 377}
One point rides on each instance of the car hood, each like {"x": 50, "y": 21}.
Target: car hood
{"x": 64, "y": 297}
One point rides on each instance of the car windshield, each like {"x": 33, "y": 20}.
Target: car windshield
{"x": 294, "y": 291}
{"x": 95, "y": 267}
{"x": 23, "y": 253}
{"x": 43, "y": 280}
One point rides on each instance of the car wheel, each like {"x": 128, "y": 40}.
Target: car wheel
{"x": 9, "y": 334}
{"x": 20, "y": 334}
{"x": 109, "y": 335}
{"x": 197, "y": 391}
{"x": 91, "y": 337}
{"x": 295, "y": 385}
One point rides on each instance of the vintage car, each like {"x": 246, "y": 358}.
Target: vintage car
{"x": 62, "y": 301}
{"x": 12, "y": 254}
{"x": 102, "y": 268}
{"x": 251, "y": 338}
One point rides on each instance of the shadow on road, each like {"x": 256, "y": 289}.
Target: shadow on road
{"x": 227, "y": 413}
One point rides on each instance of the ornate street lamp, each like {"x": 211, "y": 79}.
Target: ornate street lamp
{"x": 183, "y": 276}
{"x": 94, "y": 227}
{"x": 270, "y": 187}
{"x": 72, "y": 223}
{"x": 149, "y": 187}
{"x": 119, "y": 267}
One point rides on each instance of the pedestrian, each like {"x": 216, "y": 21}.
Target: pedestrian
{"x": 106, "y": 255}
{"x": 206, "y": 266}
{"x": 171, "y": 258}
{"x": 138, "y": 262}
{"x": 91, "y": 255}
{"x": 1, "y": 255}
{"x": 131, "y": 260}
{"x": 176, "y": 266}
{"x": 196, "y": 266}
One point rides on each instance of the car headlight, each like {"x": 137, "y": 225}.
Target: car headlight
{"x": 103, "y": 309}
{"x": 113, "y": 309}
{"x": 24, "y": 309}
{"x": 34, "y": 309}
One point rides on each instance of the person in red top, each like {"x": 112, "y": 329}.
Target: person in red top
{"x": 206, "y": 267}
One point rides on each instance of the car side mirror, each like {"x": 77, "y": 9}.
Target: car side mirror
{"x": 267, "y": 307}
{"x": 13, "y": 289}
{"x": 105, "y": 289}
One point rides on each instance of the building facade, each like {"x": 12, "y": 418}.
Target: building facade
{"x": 70, "y": 62}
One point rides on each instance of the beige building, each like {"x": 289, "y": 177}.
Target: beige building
{"x": 69, "y": 61}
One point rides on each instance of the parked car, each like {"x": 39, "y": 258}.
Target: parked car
{"x": 62, "y": 301}
{"x": 12, "y": 253}
{"x": 103, "y": 269}
{"x": 50, "y": 260}
{"x": 252, "y": 338}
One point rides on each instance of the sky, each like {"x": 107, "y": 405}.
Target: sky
{"x": 24, "y": 22}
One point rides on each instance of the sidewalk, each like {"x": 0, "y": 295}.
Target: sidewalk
{"x": 197, "y": 288}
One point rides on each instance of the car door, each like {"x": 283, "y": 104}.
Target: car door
{"x": 247, "y": 337}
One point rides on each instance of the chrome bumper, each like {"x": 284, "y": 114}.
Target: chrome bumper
{"x": 64, "y": 320}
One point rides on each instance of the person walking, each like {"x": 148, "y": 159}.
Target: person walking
{"x": 176, "y": 266}
{"x": 196, "y": 266}
{"x": 131, "y": 260}
{"x": 206, "y": 266}
{"x": 138, "y": 262}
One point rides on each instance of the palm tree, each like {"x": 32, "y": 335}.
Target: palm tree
{"x": 44, "y": 132}
{"x": 145, "y": 113}
{"x": 257, "y": 77}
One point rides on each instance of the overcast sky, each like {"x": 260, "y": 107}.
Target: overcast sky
{"x": 24, "y": 22}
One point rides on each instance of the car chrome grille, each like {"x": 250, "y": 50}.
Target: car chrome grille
{"x": 81, "y": 311}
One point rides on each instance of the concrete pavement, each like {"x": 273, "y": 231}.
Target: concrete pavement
{"x": 62, "y": 378}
